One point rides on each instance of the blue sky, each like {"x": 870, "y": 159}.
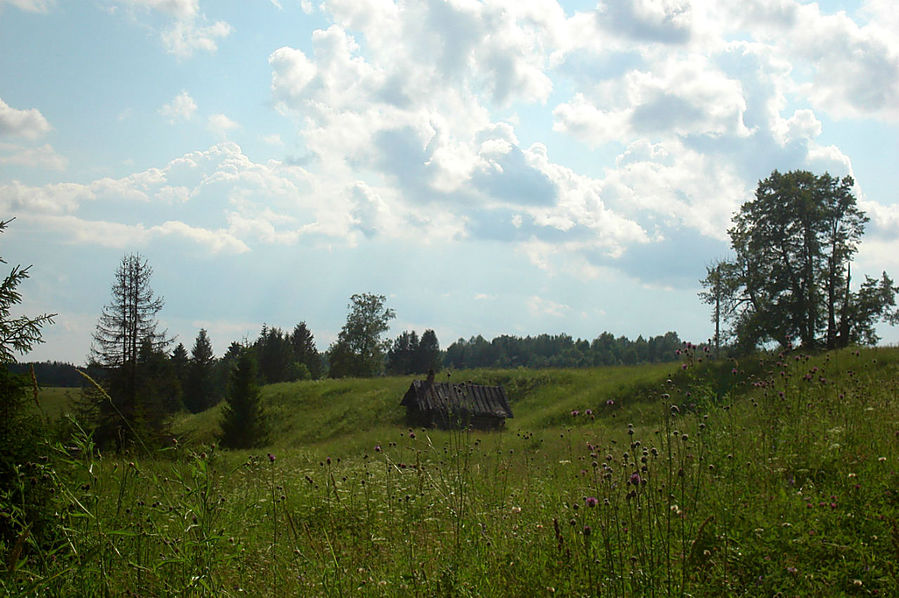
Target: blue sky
{"x": 491, "y": 167}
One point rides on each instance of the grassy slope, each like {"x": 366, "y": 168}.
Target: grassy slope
{"x": 751, "y": 492}
{"x": 57, "y": 402}
{"x": 344, "y": 415}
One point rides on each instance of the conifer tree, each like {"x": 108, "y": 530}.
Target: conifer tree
{"x": 199, "y": 389}
{"x": 243, "y": 422}
{"x": 127, "y": 326}
{"x": 21, "y": 426}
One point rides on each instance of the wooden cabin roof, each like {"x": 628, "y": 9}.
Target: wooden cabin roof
{"x": 448, "y": 397}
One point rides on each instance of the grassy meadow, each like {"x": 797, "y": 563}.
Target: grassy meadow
{"x": 771, "y": 476}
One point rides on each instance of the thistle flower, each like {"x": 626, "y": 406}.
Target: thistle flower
{"x": 591, "y": 501}
{"x": 271, "y": 458}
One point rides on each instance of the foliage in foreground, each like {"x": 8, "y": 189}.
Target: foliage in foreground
{"x": 785, "y": 483}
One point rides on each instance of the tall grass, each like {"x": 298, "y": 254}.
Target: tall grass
{"x": 773, "y": 476}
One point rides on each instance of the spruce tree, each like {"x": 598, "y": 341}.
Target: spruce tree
{"x": 243, "y": 422}
{"x": 199, "y": 388}
{"x": 127, "y": 326}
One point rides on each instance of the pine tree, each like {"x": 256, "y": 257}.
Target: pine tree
{"x": 304, "y": 350}
{"x": 180, "y": 363}
{"x": 21, "y": 425}
{"x": 126, "y": 326}
{"x": 243, "y": 421}
{"x": 428, "y": 356}
{"x": 199, "y": 388}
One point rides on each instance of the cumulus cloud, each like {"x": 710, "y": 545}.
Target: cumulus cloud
{"x": 43, "y": 157}
{"x": 666, "y": 21}
{"x": 188, "y": 30}
{"x": 681, "y": 97}
{"x": 423, "y": 126}
{"x": 185, "y": 37}
{"x": 182, "y": 107}
{"x": 843, "y": 65}
{"x": 29, "y": 123}
{"x": 221, "y": 125}
{"x": 217, "y": 199}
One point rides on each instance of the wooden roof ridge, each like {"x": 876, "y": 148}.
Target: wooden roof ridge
{"x": 459, "y": 396}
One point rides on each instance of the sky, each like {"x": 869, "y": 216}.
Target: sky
{"x": 502, "y": 167}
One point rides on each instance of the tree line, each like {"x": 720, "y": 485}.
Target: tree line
{"x": 561, "y": 350}
{"x": 788, "y": 282}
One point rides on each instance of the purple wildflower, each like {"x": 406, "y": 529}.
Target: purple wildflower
{"x": 271, "y": 458}
{"x": 591, "y": 501}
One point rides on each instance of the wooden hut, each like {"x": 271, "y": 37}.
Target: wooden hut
{"x": 450, "y": 405}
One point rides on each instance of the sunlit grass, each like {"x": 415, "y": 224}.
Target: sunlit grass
{"x": 720, "y": 479}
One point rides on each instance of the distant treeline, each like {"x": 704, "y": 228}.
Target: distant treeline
{"x": 278, "y": 352}
{"x": 49, "y": 373}
{"x": 561, "y": 350}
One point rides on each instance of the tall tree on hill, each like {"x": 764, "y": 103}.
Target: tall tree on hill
{"x": 125, "y": 325}
{"x": 720, "y": 288}
{"x": 402, "y": 353}
{"x": 790, "y": 278}
{"x": 243, "y": 421}
{"x": 274, "y": 354}
{"x": 428, "y": 356}
{"x": 158, "y": 390}
{"x": 199, "y": 390}
{"x": 359, "y": 350}
{"x": 225, "y": 366}
{"x": 180, "y": 364}
{"x": 304, "y": 350}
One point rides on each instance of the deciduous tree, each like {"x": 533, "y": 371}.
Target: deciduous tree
{"x": 790, "y": 277}
{"x": 359, "y": 350}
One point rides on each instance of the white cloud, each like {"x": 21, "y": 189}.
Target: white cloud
{"x": 666, "y": 21}
{"x": 188, "y": 31}
{"x": 682, "y": 96}
{"x": 185, "y": 37}
{"x": 29, "y": 123}
{"x": 179, "y": 9}
{"x": 539, "y": 306}
{"x": 849, "y": 69}
{"x": 44, "y": 157}
{"x": 182, "y": 107}
{"x": 221, "y": 125}
{"x": 30, "y": 5}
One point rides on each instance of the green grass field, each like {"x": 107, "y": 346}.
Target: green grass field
{"x": 768, "y": 476}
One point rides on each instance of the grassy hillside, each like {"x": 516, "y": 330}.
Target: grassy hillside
{"x": 57, "y": 402}
{"x": 339, "y": 416}
{"x": 762, "y": 477}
